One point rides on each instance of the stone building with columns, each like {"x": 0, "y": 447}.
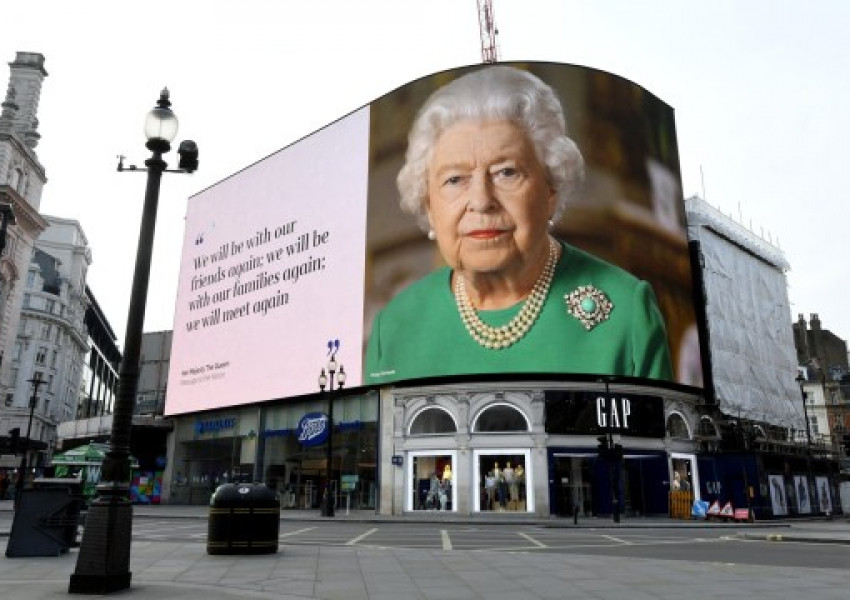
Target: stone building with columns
{"x": 22, "y": 178}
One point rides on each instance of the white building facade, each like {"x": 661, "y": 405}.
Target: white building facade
{"x": 51, "y": 344}
{"x": 22, "y": 178}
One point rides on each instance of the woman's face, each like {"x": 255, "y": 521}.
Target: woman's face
{"x": 488, "y": 199}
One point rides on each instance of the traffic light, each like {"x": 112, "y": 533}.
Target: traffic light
{"x": 617, "y": 452}
{"x": 14, "y": 439}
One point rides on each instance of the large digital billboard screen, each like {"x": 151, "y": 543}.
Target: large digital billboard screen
{"x": 513, "y": 218}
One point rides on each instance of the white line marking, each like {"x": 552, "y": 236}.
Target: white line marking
{"x": 447, "y": 542}
{"x": 353, "y": 541}
{"x": 532, "y": 540}
{"x": 618, "y": 540}
{"x": 283, "y": 535}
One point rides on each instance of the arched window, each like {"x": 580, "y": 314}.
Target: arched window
{"x": 500, "y": 417}
{"x": 707, "y": 427}
{"x": 433, "y": 420}
{"x": 677, "y": 427}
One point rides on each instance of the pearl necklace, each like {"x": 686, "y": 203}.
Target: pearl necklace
{"x": 496, "y": 338}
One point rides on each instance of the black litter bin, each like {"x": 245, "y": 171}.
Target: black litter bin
{"x": 46, "y": 519}
{"x": 244, "y": 519}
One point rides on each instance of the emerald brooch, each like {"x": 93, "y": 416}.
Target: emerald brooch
{"x": 589, "y": 305}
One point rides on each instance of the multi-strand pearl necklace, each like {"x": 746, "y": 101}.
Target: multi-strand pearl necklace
{"x": 496, "y": 338}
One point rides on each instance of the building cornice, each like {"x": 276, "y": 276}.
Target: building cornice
{"x": 15, "y": 140}
{"x": 26, "y": 217}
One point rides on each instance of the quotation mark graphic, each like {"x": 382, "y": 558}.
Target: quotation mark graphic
{"x": 333, "y": 347}
{"x": 200, "y": 239}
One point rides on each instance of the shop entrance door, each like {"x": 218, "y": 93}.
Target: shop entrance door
{"x": 571, "y": 486}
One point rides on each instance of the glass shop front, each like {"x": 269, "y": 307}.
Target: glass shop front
{"x": 284, "y": 445}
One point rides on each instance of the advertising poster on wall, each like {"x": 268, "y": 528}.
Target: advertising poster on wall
{"x": 824, "y": 497}
{"x": 514, "y": 218}
{"x": 778, "y": 502}
{"x": 801, "y": 489}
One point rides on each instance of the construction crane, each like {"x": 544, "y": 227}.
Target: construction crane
{"x": 487, "y": 28}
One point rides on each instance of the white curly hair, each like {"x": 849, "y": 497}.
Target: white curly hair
{"x": 488, "y": 94}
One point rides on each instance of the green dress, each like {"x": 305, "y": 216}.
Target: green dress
{"x": 420, "y": 332}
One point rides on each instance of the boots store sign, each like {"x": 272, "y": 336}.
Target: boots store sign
{"x": 585, "y": 412}
{"x": 312, "y": 429}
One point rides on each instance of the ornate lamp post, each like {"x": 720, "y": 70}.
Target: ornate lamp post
{"x": 103, "y": 563}
{"x": 801, "y": 380}
{"x": 327, "y": 504}
{"x": 36, "y": 382}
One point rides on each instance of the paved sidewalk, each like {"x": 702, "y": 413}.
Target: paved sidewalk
{"x": 177, "y": 570}
{"x": 184, "y": 570}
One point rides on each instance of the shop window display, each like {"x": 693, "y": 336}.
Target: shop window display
{"x": 298, "y": 472}
{"x": 503, "y": 482}
{"x": 433, "y": 483}
{"x": 682, "y": 479}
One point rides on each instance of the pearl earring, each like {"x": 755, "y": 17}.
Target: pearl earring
{"x": 551, "y": 224}
{"x": 431, "y": 235}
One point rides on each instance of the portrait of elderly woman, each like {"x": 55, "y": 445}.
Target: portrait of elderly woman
{"x": 488, "y": 171}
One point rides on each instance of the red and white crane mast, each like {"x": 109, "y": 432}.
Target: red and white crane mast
{"x": 487, "y": 28}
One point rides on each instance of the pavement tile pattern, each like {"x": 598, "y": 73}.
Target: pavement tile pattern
{"x": 182, "y": 570}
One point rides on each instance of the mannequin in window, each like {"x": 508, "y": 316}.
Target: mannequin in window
{"x": 520, "y": 481}
{"x": 445, "y": 486}
{"x": 510, "y": 482}
{"x": 490, "y": 490}
{"x": 677, "y": 484}
{"x": 500, "y": 486}
{"x": 433, "y": 492}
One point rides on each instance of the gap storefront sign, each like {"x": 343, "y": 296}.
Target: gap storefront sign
{"x": 587, "y": 413}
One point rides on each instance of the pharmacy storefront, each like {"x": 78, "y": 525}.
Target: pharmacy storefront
{"x": 285, "y": 446}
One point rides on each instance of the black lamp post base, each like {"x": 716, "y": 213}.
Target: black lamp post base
{"x": 99, "y": 584}
{"x": 103, "y": 564}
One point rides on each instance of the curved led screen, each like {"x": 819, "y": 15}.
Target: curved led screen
{"x": 512, "y": 218}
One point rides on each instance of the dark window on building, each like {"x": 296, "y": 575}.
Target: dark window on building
{"x": 676, "y": 427}
{"x": 500, "y": 418}
{"x": 431, "y": 421}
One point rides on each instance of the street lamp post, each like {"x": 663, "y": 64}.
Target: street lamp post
{"x": 327, "y": 503}
{"x": 103, "y": 563}
{"x": 611, "y": 452}
{"x": 616, "y": 452}
{"x": 801, "y": 380}
{"x": 36, "y": 382}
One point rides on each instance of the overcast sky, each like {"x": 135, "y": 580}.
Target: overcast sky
{"x": 760, "y": 89}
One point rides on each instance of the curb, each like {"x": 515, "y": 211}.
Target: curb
{"x": 779, "y": 537}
